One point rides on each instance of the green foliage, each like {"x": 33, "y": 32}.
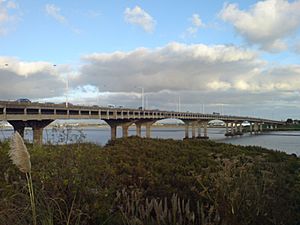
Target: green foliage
{"x": 219, "y": 184}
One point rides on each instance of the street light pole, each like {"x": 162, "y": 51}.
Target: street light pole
{"x": 67, "y": 91}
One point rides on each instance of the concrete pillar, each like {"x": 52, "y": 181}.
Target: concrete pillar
{"x": 241, "y": 128}
{"x": 18, "y": 126}
{"x": 125, "y": 130}
{"x": 232, "y": 128}
{"x": 37, "y": 135}
{"x": 251, "y": 128}
{"x": 113, "y": 131}
{"x": 255, "y": 127}
{"x": 147, "y": 124}
{"x": 125, "y": 127}
{"x": 148, "y": 130}
{"x": 261, "y": 127}
{"x": 275, "y": 126}
{"x": 193, "y": 130}
{"x": 138, "y": 127}
{"x": 199, "y": 130}
{"x": 186, "y": 126}
{"x": 226, "y": 125}
{"x": 205, "y": 129}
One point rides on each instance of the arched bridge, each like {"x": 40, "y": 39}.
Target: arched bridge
{"x": 39, "y": 115}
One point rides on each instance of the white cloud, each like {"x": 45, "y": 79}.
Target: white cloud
{"x": 196, "y": 24}
{"x": 8, "y": 16}
{"x": 54, "y": 11}
{"x": 140, "y": 17}
{"x": 196, "y": 21}
{"x": 29, "y": 79}
{"x": 172, "y": 67}
{"x": 267, "y": 23}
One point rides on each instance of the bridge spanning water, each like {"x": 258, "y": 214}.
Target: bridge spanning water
{"x": 39, "y": 115}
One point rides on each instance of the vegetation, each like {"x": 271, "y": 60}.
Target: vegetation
{"x": 146, "y": 181}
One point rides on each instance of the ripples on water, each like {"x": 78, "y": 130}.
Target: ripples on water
{"x": 288, "y": 141}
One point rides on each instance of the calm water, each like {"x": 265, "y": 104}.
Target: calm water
{"x": 288, "y": 141}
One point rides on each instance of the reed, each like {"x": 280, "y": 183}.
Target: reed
{"x": 20, "y": 156}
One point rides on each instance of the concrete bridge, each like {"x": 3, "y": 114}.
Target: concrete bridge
{"x": 39, "y": 115}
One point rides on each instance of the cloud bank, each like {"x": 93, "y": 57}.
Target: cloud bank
{"x": 267, "y": 23}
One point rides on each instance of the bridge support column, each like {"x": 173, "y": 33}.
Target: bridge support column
{"x": 275, "y": 126}
{"x": 255, "y": 128}
{"x": 138, "y": 127}
{"x": 147, "y": 124}
{"x": 193, "y": 130}
{"x": 205, "y": 129}
{"x": 261, "y": 127}
{"x": 226, "y": 125}
{"x": 251, "y": 128}
{"x": 148, "y": 129}
{"x": 37, "y": 128}
{"x": 18, "y": 126}
{"x": 186, "y": 130}
{"x": 232, "y": 129}
{"x": 125, "y": 127}
{"x": 199, "y": 131}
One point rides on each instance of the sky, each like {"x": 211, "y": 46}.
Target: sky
{"x": 237, "y": 57}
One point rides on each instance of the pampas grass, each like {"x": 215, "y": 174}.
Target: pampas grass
{"x": 21, "y": 158}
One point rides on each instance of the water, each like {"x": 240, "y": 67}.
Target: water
{"x": 287, "y": 141}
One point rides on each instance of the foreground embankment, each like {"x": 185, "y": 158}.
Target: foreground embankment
{"x": 150, "y": 181}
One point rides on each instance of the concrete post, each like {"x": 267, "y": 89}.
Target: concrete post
{"x": 232, "y": 128}
{"x": 18, "y": 126}
{"x": 125, "y": 130}
{"x": 193, "y": 130}
{"x": 186, "y": 130}
{"x": 199, "y": 130}
{"x": 226, "y": 125}
{"x": 125, "y": 127}
{"x": 261, "y": 127}
{"x": 113, "y": 131}
{"x": 205, "y": 129}
{"x": 275, "y": 126}
{"x": 37, "y": 135}
{"x": 255, "y": 127}
{"x": 138, "y": 129}
{"x": 241, "y": 128}
{"x": 251, "y": 128}
{"x": 148, "y": 129}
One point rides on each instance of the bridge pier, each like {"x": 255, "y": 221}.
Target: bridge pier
{"x": 37, "y": 128}
{"x": 147, "y": 124}
{"x": 36, "y": 125}
{"x": 255, "y": 128}
{"x": 18, "y": 126}
{"x": 226, "y": 125}
{"x": 261, "y": 127}
{"x": 199, "y": 130}
{"x": 138, "y": 127}
{"x": 186, "y": 129}
{"x": 125, "y": 127}
{"x": 194, "y": 129}
{"x": 232, "y": 129}
{"x": 205, "y": 130}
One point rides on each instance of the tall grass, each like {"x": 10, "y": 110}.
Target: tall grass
{"x": 21, "y": 158}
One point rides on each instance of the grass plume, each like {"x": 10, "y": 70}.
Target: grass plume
{"x": 20, "y": 156}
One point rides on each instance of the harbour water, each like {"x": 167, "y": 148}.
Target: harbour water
{"x": 287, "y": 141}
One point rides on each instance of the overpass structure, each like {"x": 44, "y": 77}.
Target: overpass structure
{"x": 39, "y": 115}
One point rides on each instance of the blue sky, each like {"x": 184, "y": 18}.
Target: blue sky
{"x": 238, "y": 54}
